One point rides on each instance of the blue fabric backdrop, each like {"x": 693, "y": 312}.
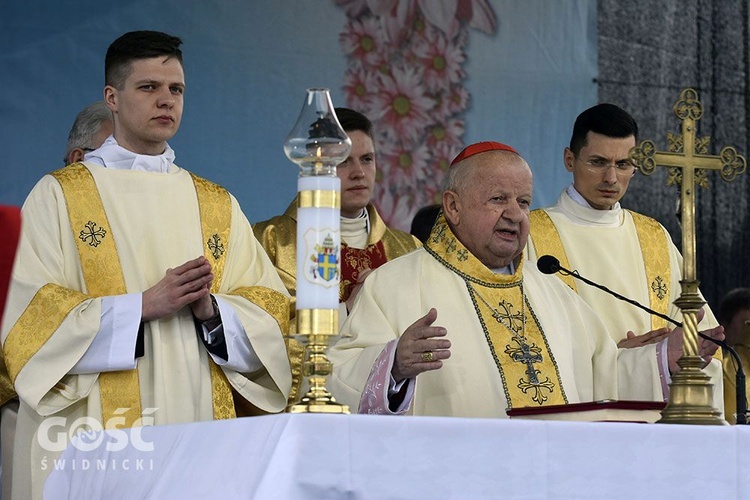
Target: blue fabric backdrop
{"x": 247, "y": 67}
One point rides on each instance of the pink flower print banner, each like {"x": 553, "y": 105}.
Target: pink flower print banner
{"x": 405, "y": 72}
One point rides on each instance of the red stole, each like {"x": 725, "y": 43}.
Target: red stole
{"x": 354, "y": 260}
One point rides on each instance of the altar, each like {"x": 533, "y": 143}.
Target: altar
{"x": 314, "y": 456}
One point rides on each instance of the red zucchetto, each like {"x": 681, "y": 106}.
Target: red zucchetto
{"x": 481, "y": 147}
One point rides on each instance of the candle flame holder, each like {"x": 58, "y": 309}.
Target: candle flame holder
{"x": 317, "y": 144}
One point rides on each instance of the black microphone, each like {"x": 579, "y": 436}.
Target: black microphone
{"x": 549, "y": 264}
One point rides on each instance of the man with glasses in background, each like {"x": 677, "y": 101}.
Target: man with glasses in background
{"x": 629, "y": 253}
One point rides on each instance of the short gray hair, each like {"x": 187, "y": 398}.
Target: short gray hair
{"x": 454, "y": 178}
{"x": 457, "y": 177}
{"x": 86, "y": 125}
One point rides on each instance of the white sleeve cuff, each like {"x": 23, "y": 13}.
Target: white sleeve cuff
{"x": 113, "y": 348}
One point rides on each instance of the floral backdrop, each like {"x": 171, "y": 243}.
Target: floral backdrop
{"x": 529, "y": 66}
{"x": 405, "y": 72}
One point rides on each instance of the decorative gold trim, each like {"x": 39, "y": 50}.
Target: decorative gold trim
{"x": 317, "y": 322}
{"x": 102, "y": 271}
{"x": 215, "y": 206}
{"x": 221, "y": 392}
{"x": 118, "y": 390}
{"x": 522, "y": 379}
{"x": 99, "y": 260}
{"x": 445, "y": 247}
{"x": 547, "y": 241}
{"x": 271, "y": 301}
{"x": 395, "y": 243}
{"x": 319, "y": 198}
{"x": 513, "y": 339}
{"x": 655, "y": 251}
{"x": 7, "y": 390}
{"x": 42, "y": 317}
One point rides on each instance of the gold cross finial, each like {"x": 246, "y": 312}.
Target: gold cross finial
{"x": 688, "y": 163}
{"x": 690, "y": 399}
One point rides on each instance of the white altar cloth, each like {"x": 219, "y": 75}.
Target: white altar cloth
{"x": 301, "y": 456}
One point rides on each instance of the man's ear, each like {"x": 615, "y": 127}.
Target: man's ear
{"x": 110, "y": 97}
{"x": 568, "y": 158}
{"x": 76, "y": 154}
{"x": 452, "y": 207}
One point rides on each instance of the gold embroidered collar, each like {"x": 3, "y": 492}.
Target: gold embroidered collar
{"x": 445, "y": 247}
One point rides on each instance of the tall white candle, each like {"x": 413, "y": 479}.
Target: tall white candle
{"x": 318, "y": 242}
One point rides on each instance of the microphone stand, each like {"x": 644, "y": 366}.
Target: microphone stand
{"x": 741, "y": 391}
{"x": 740, "y": 377}
{"x": 575, "y": 274}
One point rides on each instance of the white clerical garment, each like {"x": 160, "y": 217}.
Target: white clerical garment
{"x": 155, "y": 221}
{"x": 576, "y": 360}
{"x": 604, "y": 246}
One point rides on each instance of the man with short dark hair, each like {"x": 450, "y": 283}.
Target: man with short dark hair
{"x": 140, "y": 295}
{"x": 629, "y": 253}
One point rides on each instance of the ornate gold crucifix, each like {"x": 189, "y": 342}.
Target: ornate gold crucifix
{"x": 690, "y": 395}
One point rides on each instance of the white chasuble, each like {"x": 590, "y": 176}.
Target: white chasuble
{"x": 516, "y": 340}
{"x": 154, "y": 222}
{"x": 630, "y": 254}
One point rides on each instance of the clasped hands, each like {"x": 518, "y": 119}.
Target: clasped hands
{"x": 188, "y": 284}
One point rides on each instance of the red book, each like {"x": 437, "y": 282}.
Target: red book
{"x": 595, "y": 411}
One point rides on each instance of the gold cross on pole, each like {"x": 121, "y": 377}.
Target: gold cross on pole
{"x": 690, "y": 397}
{"x": 692, "y": 163}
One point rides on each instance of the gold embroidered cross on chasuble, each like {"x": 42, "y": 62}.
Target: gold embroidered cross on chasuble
{"x": 518, "y": 345}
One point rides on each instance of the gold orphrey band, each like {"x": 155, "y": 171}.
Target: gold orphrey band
{"x": 317, "y": 321}
{"x": 319, "y": 199}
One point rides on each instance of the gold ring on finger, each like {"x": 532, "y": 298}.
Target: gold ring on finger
{"x": 427, "y": 356}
